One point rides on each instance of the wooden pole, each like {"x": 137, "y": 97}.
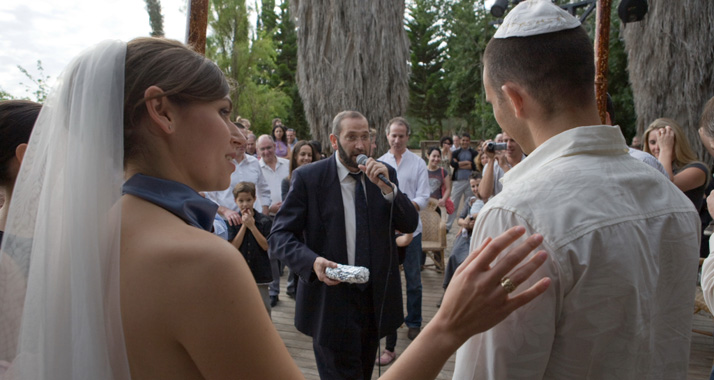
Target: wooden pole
{"x": 197, "y": 24}
{"x": 602, "y": 53}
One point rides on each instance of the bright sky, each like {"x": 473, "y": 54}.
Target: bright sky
{"x": 55, "y": 31}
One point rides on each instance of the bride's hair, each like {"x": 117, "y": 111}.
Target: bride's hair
{"x": 184, "y": 75}
{"x": 17, "y": 117}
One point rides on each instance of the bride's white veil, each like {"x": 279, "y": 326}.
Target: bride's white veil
{"x": 59, "y": 267}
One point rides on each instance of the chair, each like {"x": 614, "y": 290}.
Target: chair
{"x": 699, "y": 305}
{"x": 433, "y": 236}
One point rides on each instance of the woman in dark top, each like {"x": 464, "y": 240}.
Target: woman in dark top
{"x": 17, "y": 117}
{"x": 303, "y": 153}
{"x": 665, "y": 139}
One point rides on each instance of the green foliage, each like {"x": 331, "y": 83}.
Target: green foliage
{"x": 428, "y": 99}
{"x": 283, "y": 78}
{"x": 468, "y": 31}
{"x": 247, "y": 63}
{"x": 156, "y": 19}
{"x": 268, "y": 19}
{"x": 4, "y": 95}
{"x": 39, "y": 86}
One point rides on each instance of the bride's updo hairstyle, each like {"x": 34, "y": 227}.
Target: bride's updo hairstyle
{"x": 184, "y": 75}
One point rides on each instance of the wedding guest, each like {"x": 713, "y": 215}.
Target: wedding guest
{"x": 446, "y": 143}
{"x": 17, "y": 117}
{"x": 251, "y": 239}
{"x": 303, "y": 154}
{"x": 282, "y": 149}
{"x": 665, "y": 139}
{"x": 439, "y": 180}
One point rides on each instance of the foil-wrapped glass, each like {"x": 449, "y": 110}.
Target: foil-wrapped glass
{"x": 348, "y": 273}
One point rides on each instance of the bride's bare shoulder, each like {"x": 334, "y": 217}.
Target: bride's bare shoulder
{"x": 159, "y": 242}
{"x": 180, "y": 284}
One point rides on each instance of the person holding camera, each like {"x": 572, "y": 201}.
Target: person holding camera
{"x": 501, "y": 158}
{"x": 462, "y": 160}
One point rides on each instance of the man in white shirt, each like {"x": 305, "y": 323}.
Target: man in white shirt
{"x": 499, "y": 162}
{"x": 622, "y": 244}
{"x": 274, "y": 170}
{"x": 414, "y": 182}
{"x": 250, "y": 145}
{"x": 247, "y": 170}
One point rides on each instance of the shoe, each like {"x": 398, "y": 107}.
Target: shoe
{"x": 386, "y": 358}
{"x": 291, "y": 294}
{"x": 413, "y": 332}
{"x": 274, "y": 301}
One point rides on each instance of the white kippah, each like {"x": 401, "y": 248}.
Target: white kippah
{"x": 533, "y": 17}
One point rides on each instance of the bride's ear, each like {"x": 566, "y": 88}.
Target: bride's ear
{"x": 159, "y": 108}
{"x": 20, "y": 152}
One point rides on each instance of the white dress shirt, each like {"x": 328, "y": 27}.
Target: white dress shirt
{"x": 413, "y": 177}
{"x": 248, "y": 170}
{"x": 274, "y": 178}
{"x": 648, "y": 159}
{"x": 347, "y": 185}
{"x": 622, "y": 244}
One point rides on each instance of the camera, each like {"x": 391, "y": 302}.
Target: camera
{"x": 494, "y": 146}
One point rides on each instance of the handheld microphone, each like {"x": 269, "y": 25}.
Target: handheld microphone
{"x": 362, "y": 160}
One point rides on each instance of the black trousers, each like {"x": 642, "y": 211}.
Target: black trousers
{"x": 354, "y": 359}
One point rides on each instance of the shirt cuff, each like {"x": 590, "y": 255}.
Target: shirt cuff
{"x": 390, "y": 197}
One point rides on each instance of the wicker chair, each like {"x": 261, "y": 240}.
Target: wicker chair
{"x": 433, "y": 236}
{"x": 699, "y": 305}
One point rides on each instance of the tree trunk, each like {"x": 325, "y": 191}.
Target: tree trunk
{"x": 670, "y": 59}
{"x": 352, "y": 55}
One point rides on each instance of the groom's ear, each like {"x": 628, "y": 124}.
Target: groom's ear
{"x": 160, "y": 109}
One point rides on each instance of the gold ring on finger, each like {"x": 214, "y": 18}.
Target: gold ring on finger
{"x": 508, "y": 285}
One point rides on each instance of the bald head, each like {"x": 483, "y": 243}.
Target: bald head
{"x": 266, "y": 147}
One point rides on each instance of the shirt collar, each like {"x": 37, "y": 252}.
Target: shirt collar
{"x": 175, "y": 197}
{"x": 593, "y": 139}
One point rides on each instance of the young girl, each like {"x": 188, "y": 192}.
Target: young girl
{"x": 184, "y": 305}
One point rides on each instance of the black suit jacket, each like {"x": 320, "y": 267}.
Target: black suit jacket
{"x": 311, "y": 223}
{"x": 455, "y": 161}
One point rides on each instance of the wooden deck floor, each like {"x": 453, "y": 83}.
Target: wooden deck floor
{"x": 300, "y": 346}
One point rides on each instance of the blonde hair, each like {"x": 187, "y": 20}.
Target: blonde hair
{"x": 707, "y": 119}
{"x": 683, "y": 153}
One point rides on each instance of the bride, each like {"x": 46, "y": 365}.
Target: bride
{"x": 108, "y": 254}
